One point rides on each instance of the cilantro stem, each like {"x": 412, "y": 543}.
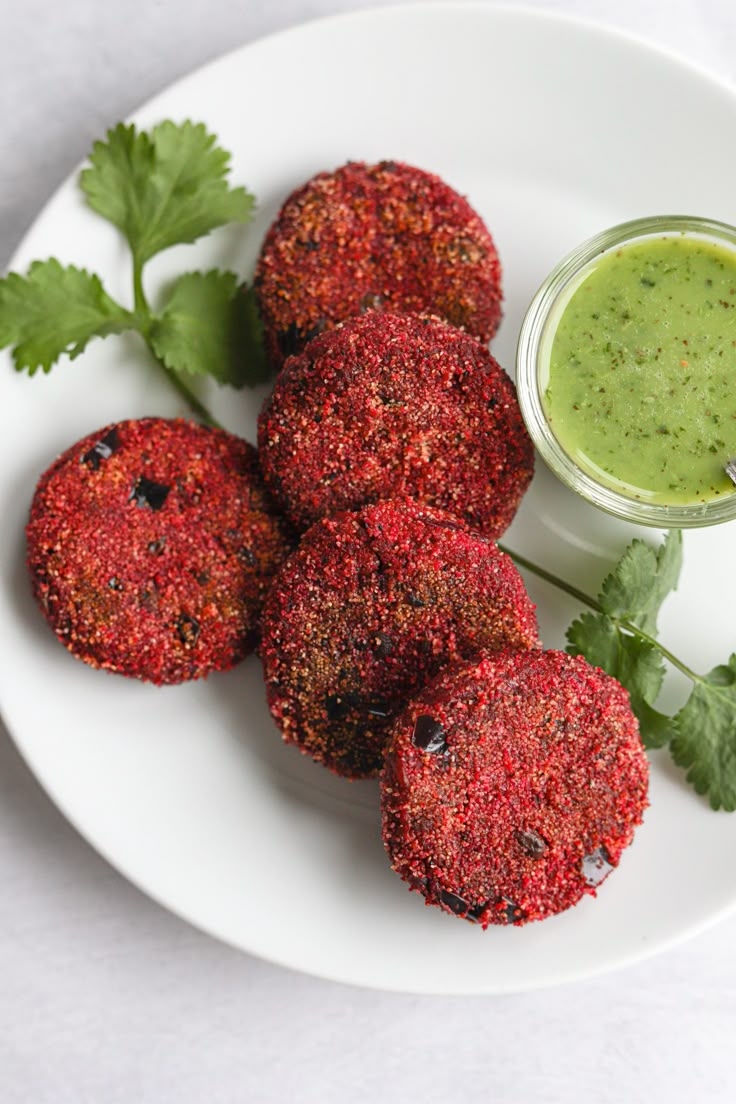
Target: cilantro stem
{"x": 647, "y": 639}
{"x": 139, "y": 296}
{"x": 189, "y": 397}
{"x": 144, "y": 320}
{"x": 586, "y": 599}
{"x": 553, "y": 579}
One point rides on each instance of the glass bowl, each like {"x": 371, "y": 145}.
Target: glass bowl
{"x": 532, "y": 368}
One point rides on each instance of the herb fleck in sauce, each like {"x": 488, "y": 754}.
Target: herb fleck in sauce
{"x": 641, "y": 390}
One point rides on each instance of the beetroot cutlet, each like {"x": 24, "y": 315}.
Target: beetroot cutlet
{"x": 512, "y": 785}
{"x": 151, "y": 544}
{"x": 375, "y": 236}
{"x": 388, "y": 405}
{"x": 370, "y": 606}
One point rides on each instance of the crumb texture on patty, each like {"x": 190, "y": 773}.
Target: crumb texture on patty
{"x": 151, "y": 544}
{"x": 370, "y": 606}
{"x": 390, "y": 405}
{"x": 383, "y": 236}
{"x": 512, "y": 786}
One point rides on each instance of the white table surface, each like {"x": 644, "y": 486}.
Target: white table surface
{"x": 104, "y": 996}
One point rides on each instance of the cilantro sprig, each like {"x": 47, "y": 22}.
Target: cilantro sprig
{"x": 160, "y": 189}
{"x": 619, "y": 634}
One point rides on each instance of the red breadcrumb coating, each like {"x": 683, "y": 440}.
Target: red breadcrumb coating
{"x": 370, "y": 606}
{"x": 374, "y": 236}
{"x": 151, "y": 545}
{"x": 389, "y": 405}
{"x": 512, "y": 785}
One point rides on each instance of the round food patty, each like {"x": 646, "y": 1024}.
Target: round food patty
{"x": 151, "y": 545}
{"x": 390, "y": 405}
{"x": 512, "y": 785}
{"x": 370, "y": 606}
{"x": 371, "y": 237}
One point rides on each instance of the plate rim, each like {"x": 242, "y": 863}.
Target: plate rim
{"x": 602, "y": 30}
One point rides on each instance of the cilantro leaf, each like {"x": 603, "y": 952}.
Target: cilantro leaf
{"x": 249, "y": 340}
{"x": 165, "y": 188}
{"x": 200, "y": 330}
{"x": 635, "y": 663}
{"x": 630, "y": 599}
{"x": 705, "y": 736}
{"x": 620, "y": 637}
{"x": 641, "y": 581}
{"x": 55, "y": 310}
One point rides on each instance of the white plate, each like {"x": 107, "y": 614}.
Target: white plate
{"x": 554, "y": 130}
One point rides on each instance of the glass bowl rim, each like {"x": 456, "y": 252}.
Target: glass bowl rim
{"x": 538, "y": 313}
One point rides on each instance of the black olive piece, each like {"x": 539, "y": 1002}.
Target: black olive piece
{"x": 596, "y": 866}
{"x": 147, "y": 493}
{"x": 475, "y": 912}
{"x": 114, "y": 583}
{"x": 187, "y": 629}
{"x": 429, "y": 736}
{"x": 530, "y": 842}
{"x": 102, "y": 449}
{"x": 378, "y": 708}
{"x": 247, "y": 556}
{"x": 337, "y": 706}
{"x": 156, "y": 547}
{"x": 415, "y": 601}
{"x": 453, "y": 902}
{"x": 512, "y": 912}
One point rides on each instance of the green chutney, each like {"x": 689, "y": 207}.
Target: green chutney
{"x": 641, "y": 390}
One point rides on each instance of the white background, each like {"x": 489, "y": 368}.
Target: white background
{"x": 104, "y": 997}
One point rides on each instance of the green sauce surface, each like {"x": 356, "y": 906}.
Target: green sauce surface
{"x": 641, "y": 390}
